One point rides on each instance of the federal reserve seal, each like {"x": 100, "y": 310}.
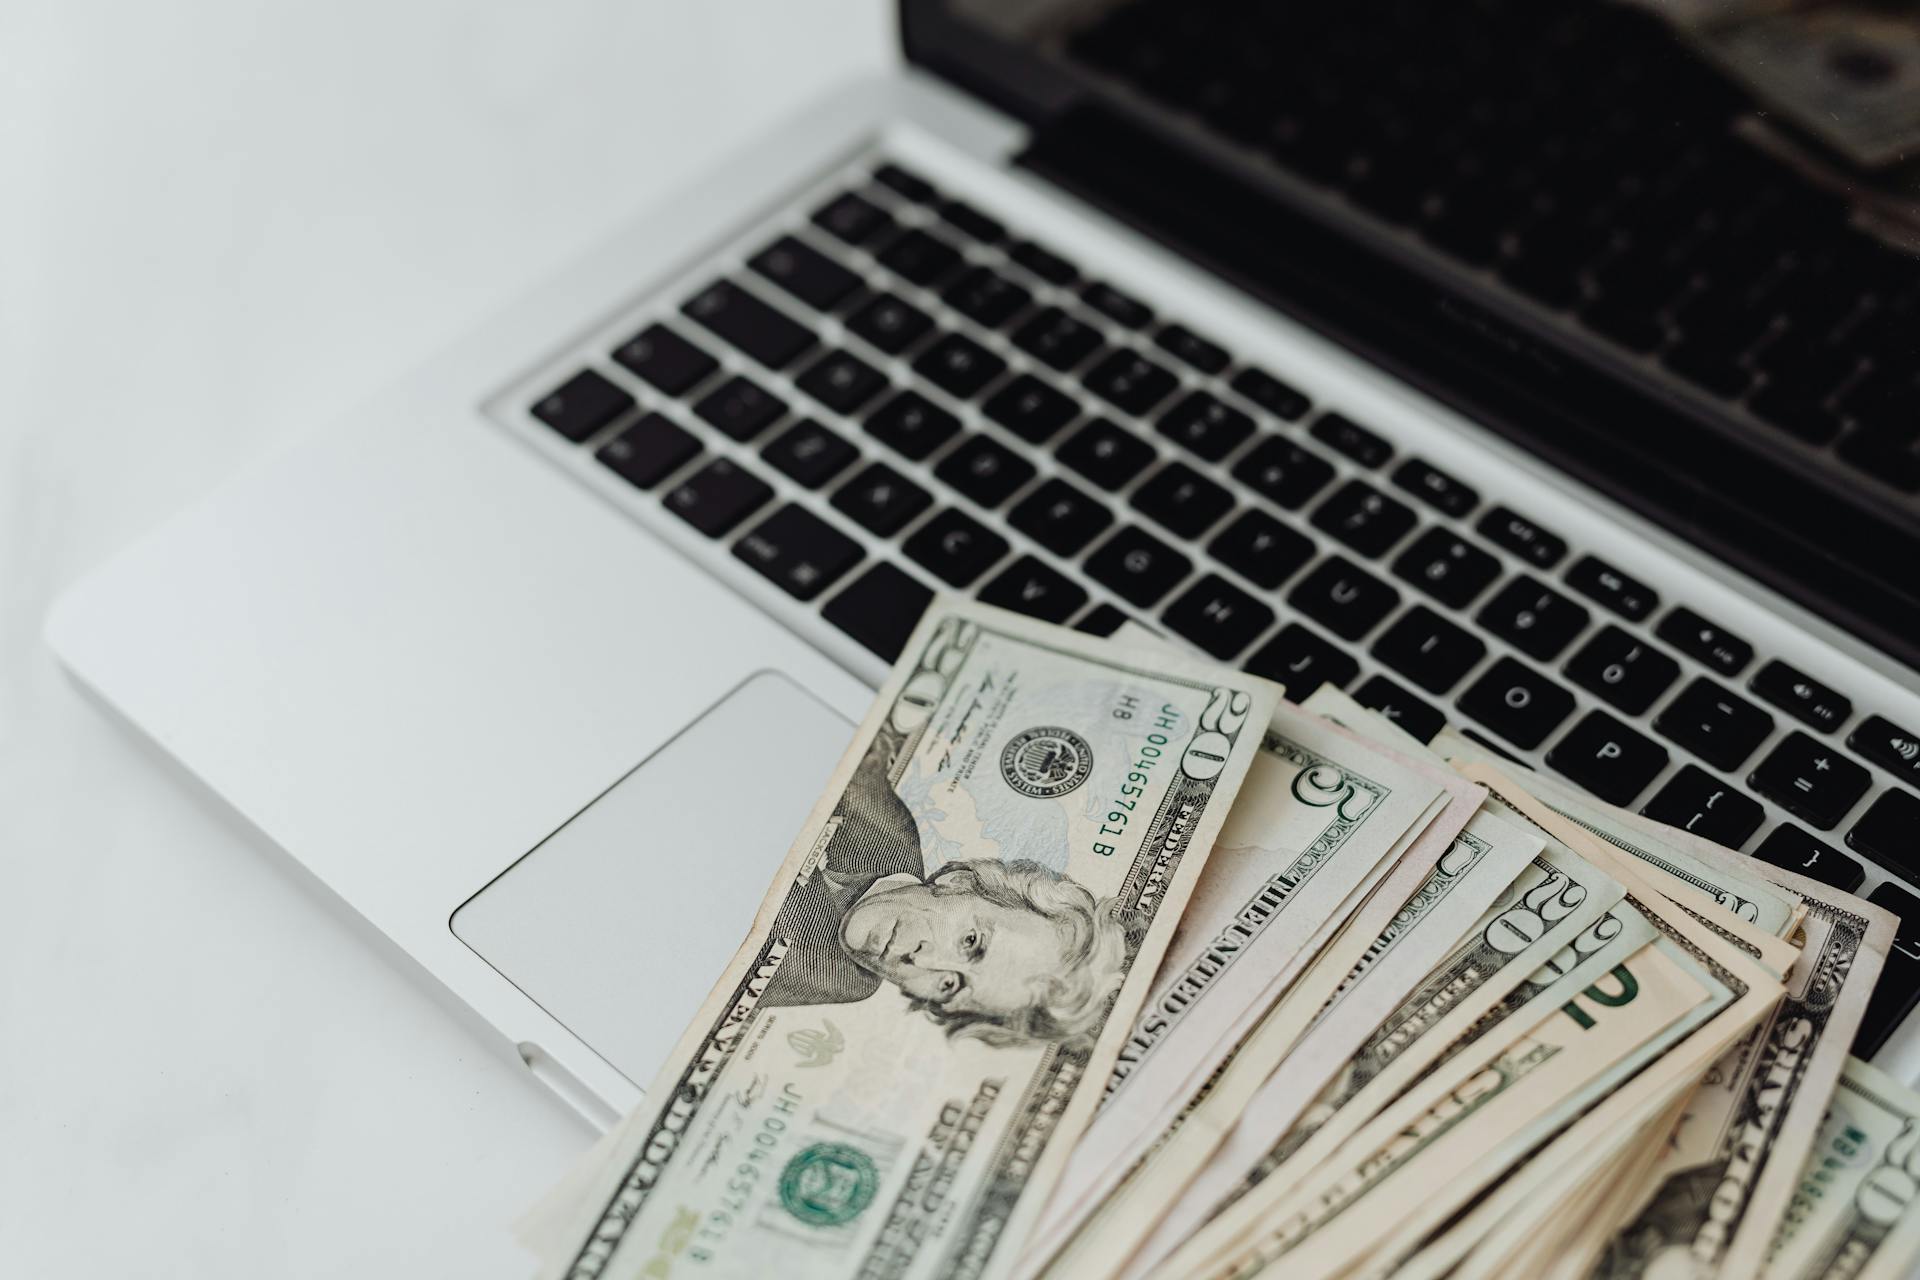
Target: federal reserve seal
{"x": 828, "y": 1184}
{"x": 1046, "y": 762}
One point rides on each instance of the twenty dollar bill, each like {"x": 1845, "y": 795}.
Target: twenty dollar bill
{"x": 894, "y": 1066}
{"x": 1856, "y": 1210}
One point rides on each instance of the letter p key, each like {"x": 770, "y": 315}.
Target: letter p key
{"x": 1608, "y": 758}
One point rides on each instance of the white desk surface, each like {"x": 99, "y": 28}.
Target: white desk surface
{"x": 224, "y": 222}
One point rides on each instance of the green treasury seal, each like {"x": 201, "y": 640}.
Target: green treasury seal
{"x": 828, "y": 1184}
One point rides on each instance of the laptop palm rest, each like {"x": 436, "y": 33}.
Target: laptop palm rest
{"x": 619, "y": 922}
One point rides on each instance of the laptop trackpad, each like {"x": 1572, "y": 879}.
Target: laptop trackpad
{"x": 619, "y": 923}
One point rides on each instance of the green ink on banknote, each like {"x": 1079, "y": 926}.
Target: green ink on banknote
{"x": 828, "y": 1184}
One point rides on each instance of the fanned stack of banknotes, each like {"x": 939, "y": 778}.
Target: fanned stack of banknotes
{"x": 1100, "y": 960}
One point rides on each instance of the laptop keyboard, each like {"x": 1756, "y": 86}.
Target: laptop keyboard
{"x": 896, "y": 393}
{"x": 1650, "y": 224}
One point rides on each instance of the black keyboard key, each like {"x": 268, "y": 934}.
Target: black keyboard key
{"x": 1622, "y": 669}
{"x": 1218, "y": 616}
{"x": 1710, "y": 366}
{"x": 1446, "y": 567}
{"x": 1607, "y": 758}
{"x": 1701, "y": 640}
{"x": 1352, "y": 439}
{"x": 1364, "y": 518}
{"x": 1271, "y": 394}
{"x": 1106, "y": 453}
{"x": 1805, "y": 364}
{"x": 1418, "y": 718}
{"x": 1030, "y": 408}
{"x": 1137, "y": 566}
{"x": 1548, "y": 277}
{"x": 1889, "y": 832}
{"x": 1182, "y": 500}
{"x": 1899, "y": 985}
{"x": 1517, "y": 702}
{"x": 890, "y": 324}
{"x": 1506, "y": 528}
{"x": 1115, "y": 305}
{"x": 1533, "y": 617}
{"x": 919, "y": 257}
{"x": 880, "y": 609}
{"x": 1884, "y": 397}
{"x": 841, "y": 381}
{"x": 1715, "y": 725}
{"x": 955, "y": 546}
{"x": 1186, "y": 345}
{"x": 805, "y": 272}
{"x": 1345, "y": 597}
{"x": 770, "y": 336}
{"x": 798, "y": 551}
{"x": 1030, "y": 587}
{"x": 665, "y": 359}
{"x": 809, "y": 453}
{"x": 1428, "y": 649}
{"x": 911, "y": 425}
{"x": 966, "y": 218}
{"x": 740, "y": 408}
{"x": 881, "y": 499}
{"x": 1205, "y": 426}
{"x": 986, "y": 297}
{"x": 1056, "y": 339}
{"x": 1302, "y": 661}
{"x": 912, "y": 186}
{"x": 1059, "y": 517}
{"x": 1888, "y": 745}
{"x": 1101, "y": 620}
{"x": 1801, "y": 696}
{"x": 1714, "y": 329}
{"x": 1261, "y": 549}
{"x": 985, "y": 470}
{"x": 648, "y": 451}
{"x": 1048, "y": 266}
{"x": 1435, "y": 487}
{"x": 958, "y": 365}
{"x": 1283, "y": 473}
{"x": 1629, "y": 326}
{"x": 717, "y": 497}
{"x": 851, "y": 218}
{"x": 1696, "y": 801}
{"x": 1791, "y": 849}
{"x": 1602, "y": 583}
{"x": 582, "y": 405}
{"x": 1130, "y": 382}
{"x": 1797, "y": 412}
{"x": 1810, "y": 780}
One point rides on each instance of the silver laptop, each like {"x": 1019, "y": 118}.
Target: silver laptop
{"x": 1559, "y": 387}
